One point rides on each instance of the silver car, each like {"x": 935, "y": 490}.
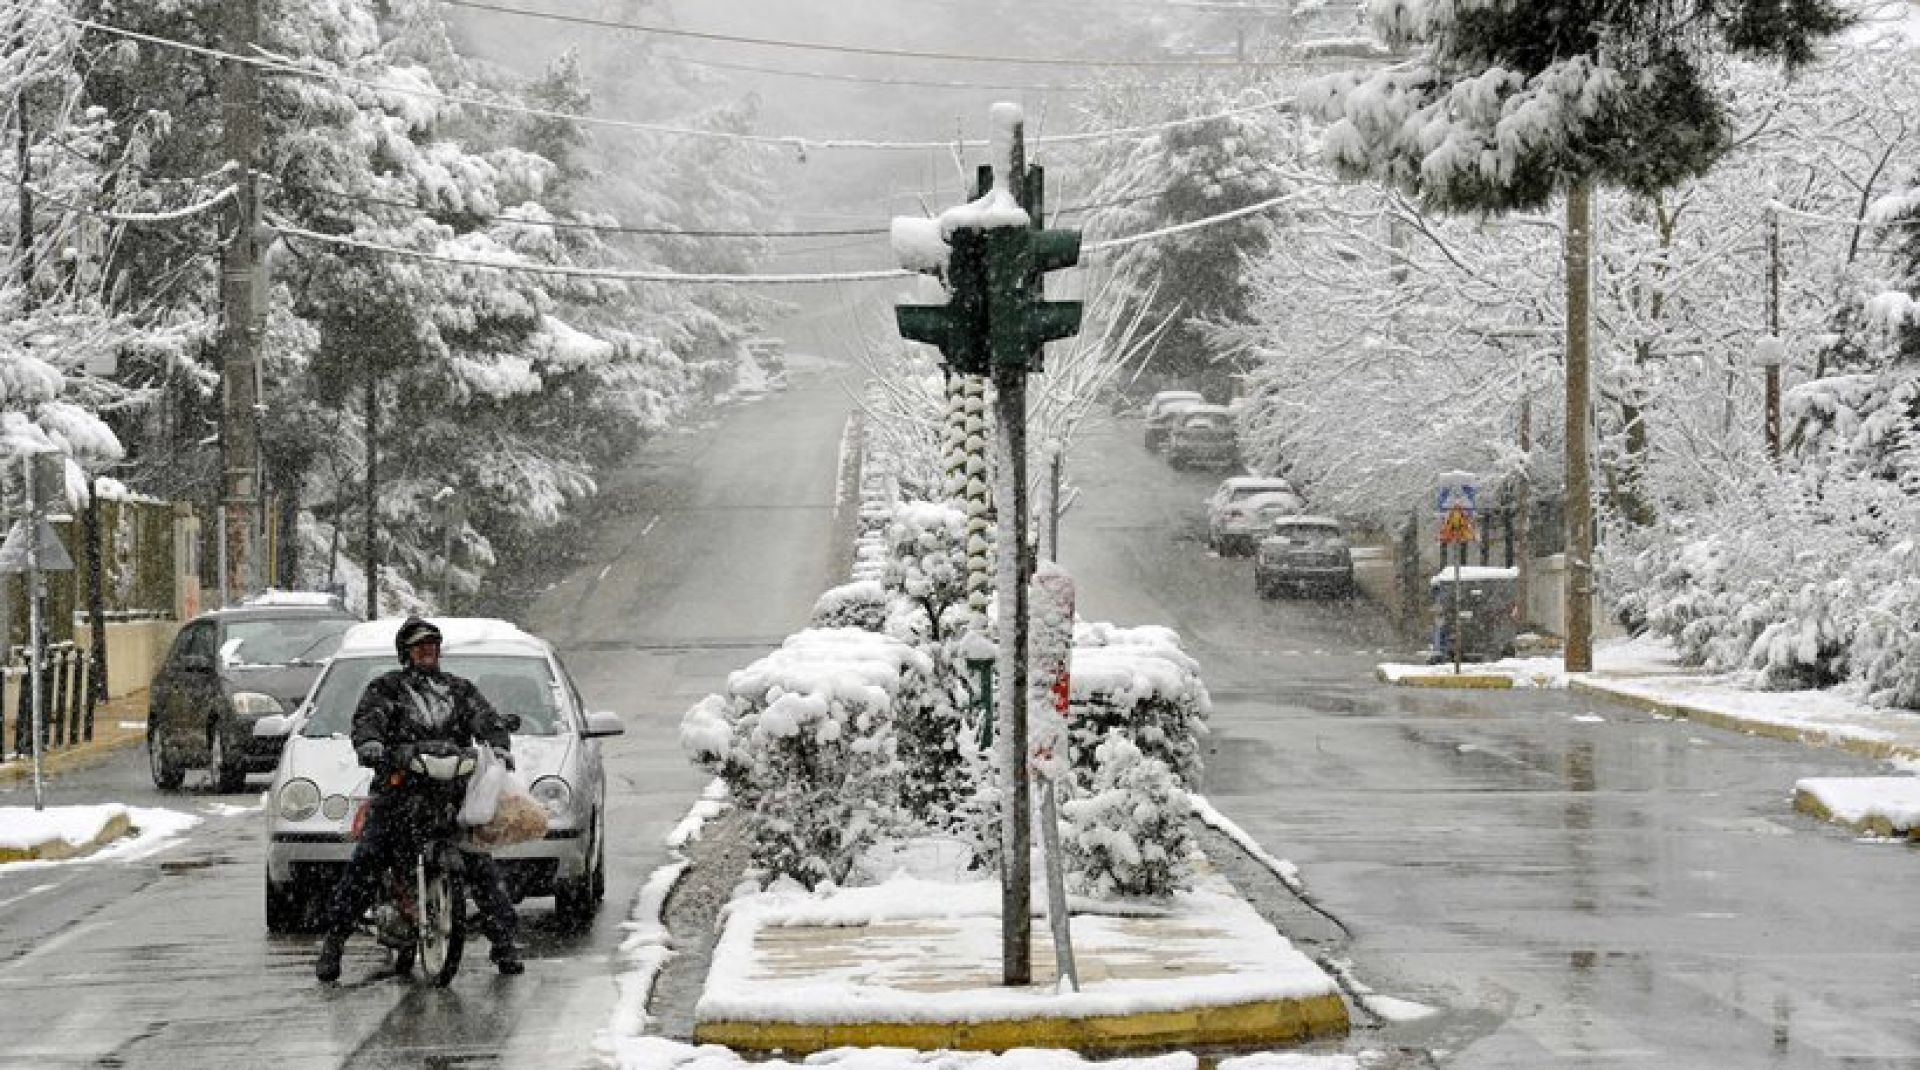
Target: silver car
{"x": 319, "y": 785}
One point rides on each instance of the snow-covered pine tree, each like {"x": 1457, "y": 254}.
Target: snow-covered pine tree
{"x": 1127, "y": 837}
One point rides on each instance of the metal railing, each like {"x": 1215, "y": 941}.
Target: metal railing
{"x": 66, "y": 695}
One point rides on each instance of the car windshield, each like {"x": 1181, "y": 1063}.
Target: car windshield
{"x": 1318, "y": 536}
{"x": 515, "y": 683}
{"x": 282, "y": 640}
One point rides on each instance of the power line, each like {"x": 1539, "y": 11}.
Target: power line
{"x": 862, "y": 50}
{"x": 717, "y": 278}
{"x": 603, "y": 228}
{"x": 141, "y": 218}
{"x": 286, "y": 66}
{"x": 870, "y": 79}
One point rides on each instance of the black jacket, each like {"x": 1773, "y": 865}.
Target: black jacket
{"x": 409, "y": 706}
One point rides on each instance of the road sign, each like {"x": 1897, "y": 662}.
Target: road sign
{"x": 1457, "y": 528}
{"x": 1457, "y": 489}
{"x": 53, "y": 555}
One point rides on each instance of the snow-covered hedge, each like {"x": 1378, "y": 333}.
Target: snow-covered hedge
{"x": 1127, "y": 836}
{"x": 861, "y": 604}
{"x": 1139, "y": 682}
{"x": 806, "y": 741}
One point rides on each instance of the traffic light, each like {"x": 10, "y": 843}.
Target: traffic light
{"x": 959, "y": 327}
{"x": 1021, "y": 320}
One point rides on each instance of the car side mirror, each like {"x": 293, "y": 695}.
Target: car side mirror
{"x": 512, "y": 722}
{"x": 272, "y": 726}
{"x": 604, "y": 723}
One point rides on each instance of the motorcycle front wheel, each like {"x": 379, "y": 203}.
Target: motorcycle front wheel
{"x": 441, "y": 932}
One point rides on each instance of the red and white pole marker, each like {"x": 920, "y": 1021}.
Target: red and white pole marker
{"x": 1049, "y": 691}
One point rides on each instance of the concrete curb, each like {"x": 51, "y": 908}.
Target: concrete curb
{"x": 1867, "y": 748}
{"x": 117, "y": 826}
{"x": 108, "y": 739}
{"x": 1242, "y": 1024}
{"x": 1465, "y": 681}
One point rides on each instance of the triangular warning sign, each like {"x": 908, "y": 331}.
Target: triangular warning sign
{"x": 14, "y": 555}
{"x": 1457, "y": 528}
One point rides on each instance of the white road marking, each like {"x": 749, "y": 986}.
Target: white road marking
{"x": 28, "y": 894}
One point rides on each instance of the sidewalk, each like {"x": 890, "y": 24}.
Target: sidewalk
{"x": 117, "y": 723}
{"x": 1648, "y": 674}
{"x": 915, "y": 963}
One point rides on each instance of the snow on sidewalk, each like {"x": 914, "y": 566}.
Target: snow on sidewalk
{"x": 1647, "y": 672}
{"x": 1874, "y": 805}
{"x": 30, "y": 837}
{"x": 914, "y": 961}
{"x": 658, "y": 1053}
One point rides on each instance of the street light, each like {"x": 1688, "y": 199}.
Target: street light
{"x": 1769, "y": 353}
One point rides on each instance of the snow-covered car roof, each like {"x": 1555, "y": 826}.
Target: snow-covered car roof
{"x": 1306, "y": 522}
{"x": 1245, "y": 482}
{"x": 1256, "y": 502}
{"x": 466, "y": 635}
{"x": 276, "y": 597}
{"x": 1175, "y": 395}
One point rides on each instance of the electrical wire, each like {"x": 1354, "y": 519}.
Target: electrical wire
{"x": 720, "y": 278}
{"x": 141, "y": 218}
{"x": 283, "y": 65}
{"x": 861, "y": 79}
{"x": 862, "y": 50}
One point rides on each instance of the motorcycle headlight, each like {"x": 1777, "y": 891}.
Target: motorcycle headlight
{"x": 553, "y": 793}
{"x": 299, "y": 800}
{"x": 255, "y": 704}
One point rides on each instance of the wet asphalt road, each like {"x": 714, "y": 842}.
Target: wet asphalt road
{"x": 721, "y": 537}
{"x": 1571, "y": 883}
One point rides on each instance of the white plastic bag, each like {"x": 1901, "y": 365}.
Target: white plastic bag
{"x": 518, "y": 818}
{"x": 483, "y": 789}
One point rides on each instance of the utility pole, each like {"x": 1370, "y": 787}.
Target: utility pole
{"x": 1579, "y": 535}
{"x": 371, "y": 398}
{"x": 243, "y": 311}
{"x": 996, "y": 322}
{"x": 1523, "y": 502}
{"x": 1772, "y": 353}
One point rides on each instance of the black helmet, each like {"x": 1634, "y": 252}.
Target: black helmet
{"x": 413, "y": 632}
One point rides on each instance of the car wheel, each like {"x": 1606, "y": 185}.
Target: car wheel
{"x": 229, "y": 776}
{"x": 167, "y": 773}
{"x": 287, "y": 906}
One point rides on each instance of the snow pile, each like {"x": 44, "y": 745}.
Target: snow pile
{"x": 806, "y": 741}
{"x": 24, "y": 828}
{"x": 1888, "y": 802}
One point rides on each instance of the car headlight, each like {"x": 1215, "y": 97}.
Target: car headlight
{"x": 553, "y": 793}
{"x": 335, "y": 808}
{"x": 255, "y": 704}
{"x": 299, "y": 800}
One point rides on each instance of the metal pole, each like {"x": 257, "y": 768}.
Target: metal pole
{"x": 1579, "y": 540}
{"x": 1773, "y": 329}
{"x": 96, "y": 603}
{"x": 35, "y": 637}
{"x": 1053, "y": 510}
{"x": 372, "y": 400}
{"x": 1011, "y": 572}
{"x": 1453, "y": 626}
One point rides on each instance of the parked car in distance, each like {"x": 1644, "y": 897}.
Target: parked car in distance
{"x": 1304, "y": 553}
{"x": 1243, "y": 509}
{"x": 226, "y": 670}
{"x": 318, "y": 785}
{"x": 1159, "y": 414}
{"x": 1203, "y": 435}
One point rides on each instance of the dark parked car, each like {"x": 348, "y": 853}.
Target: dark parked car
{"x": 1203, "y": 436}
{"x": 1304, "y": 553}
{"x": 226, "y": 670}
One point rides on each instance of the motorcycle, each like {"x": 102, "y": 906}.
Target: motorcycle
{"x": 422, "y": 910}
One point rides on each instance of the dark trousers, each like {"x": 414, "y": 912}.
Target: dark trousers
{"x": 390, "y": 838}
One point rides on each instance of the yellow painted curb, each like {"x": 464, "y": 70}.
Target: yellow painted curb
{"x": 1242, "y": 1024}
{"x": 116, "y": 827}
{"x": 1871, "y": 825}
{"x": 1868, "y": 748}
{"x": 1466, "y": 681}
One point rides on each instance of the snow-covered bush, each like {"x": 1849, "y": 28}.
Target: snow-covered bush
{"x": 861, "y": 604}
{"x": 926, "y": 584}
{"x": 1137, "y": 681}
{"x": 1128, "y": 835}
{"x": 805, "y": 739}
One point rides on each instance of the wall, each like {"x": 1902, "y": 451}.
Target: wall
{"x": 134, "y": 650}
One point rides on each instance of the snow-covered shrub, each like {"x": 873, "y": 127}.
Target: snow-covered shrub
{"x": 805, "y": 739}
{"x": 1128, "y": 835}
{"x": 926, "y": 560}
{"x": 1137, "y": 681}
{"x": 861, "y": 604}
{"x": 926, "y": 583}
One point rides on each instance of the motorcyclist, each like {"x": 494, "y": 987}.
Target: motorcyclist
{"x": 414, "y": 704}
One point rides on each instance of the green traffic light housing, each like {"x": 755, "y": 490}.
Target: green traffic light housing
{"x": 1021, "y": 320}
{"x": 958, "y": 328}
